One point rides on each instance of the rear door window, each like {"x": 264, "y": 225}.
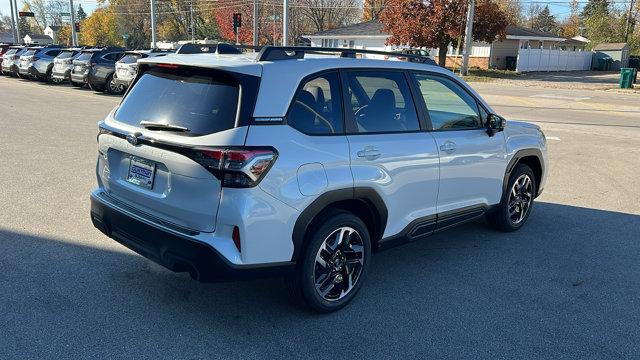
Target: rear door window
{"x": 202, "y": 102}
{"x": 381, "y": 101}
{"x": 317, "y": 110}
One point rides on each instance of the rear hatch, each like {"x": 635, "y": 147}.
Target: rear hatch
{"x": 175, "y": 118}
{"x": 127, "y": 66}
{"x": 81, "y": 63}
{"x": 63, "y": 61}
{"x": 27, "y": 58}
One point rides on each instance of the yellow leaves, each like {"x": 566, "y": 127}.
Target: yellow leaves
{"x": 100, "y": 28}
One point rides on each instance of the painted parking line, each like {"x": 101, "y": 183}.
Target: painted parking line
{"x": 560, "y": 97}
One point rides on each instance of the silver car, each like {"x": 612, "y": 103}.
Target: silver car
{"x": 127, "y": 66}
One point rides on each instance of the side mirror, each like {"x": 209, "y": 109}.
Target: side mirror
{"x": 495, "y": 123}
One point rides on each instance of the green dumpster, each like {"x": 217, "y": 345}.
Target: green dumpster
{"x": 627, "y": 77}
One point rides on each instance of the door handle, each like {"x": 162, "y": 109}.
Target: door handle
{"x": 448, "y": 146}
{"x": 369, "y": 152}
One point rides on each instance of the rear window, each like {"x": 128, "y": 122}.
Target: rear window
{"x": 130, "y": 58}
{"x": 204, "y": 103}
{"x": 29, "y": 52}
{"x": 85, "y": 56}
{"x": 65, "y": 55}
{"x": 11, "y": 51}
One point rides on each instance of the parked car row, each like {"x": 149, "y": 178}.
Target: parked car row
{"x": 103, "y": 69}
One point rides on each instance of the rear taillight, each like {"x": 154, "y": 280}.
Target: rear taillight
{"x": 236, "y": 167}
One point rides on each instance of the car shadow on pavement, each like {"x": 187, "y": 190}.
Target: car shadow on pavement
{"x": 568, "y": 279}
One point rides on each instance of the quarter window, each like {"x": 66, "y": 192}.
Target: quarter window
{"x": 316, "y": 108}
{"x": 449, "y": 106}
{"x": 381, "y": 102}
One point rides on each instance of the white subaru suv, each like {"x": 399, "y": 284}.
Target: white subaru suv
{"x": 301, "y": 163}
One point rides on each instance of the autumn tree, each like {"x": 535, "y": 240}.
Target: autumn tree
{"x": 570, "y": 27}
{"x": 371, "y": 9}
{"x": 64, "y": 35}
{"x": 513, "y": 11}
{"x": 99, "y": 28}
{"x": 437, "y": 23}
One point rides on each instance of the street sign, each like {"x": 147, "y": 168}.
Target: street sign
{"x": 26, "y": 14}
{"x": 65, "y": 14}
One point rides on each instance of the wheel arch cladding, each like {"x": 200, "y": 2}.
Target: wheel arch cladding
{"x": 363, "y": 202}
{"x": 531, "y": 158}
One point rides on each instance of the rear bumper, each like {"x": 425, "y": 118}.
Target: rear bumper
{"x": 176, "y": 252}
{"x": 78, "y": 78}
{"x": 66, "y": 75}
{"x": 120, "y": 81}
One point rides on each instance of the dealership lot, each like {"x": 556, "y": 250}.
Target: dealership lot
{"x": 565, "y": 286}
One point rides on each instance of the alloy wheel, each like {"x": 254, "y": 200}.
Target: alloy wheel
{"x": 520, "y": 198}
{"x": 339, "y": 263}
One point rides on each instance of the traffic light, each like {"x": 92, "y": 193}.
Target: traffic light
{"x": 77, "y": 27}
{"x": 237, "y": 22}
{"x": 26, "y": 14}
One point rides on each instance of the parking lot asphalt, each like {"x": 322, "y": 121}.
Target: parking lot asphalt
{"x": 566, "y": 286}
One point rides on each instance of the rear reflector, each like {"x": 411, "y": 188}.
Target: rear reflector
{"x": 236, "y": 237}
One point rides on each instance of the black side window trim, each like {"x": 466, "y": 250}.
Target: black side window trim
{"x": 479, "y": 105}
{"x": 351, "y": 126}
{"x": 301, "y": 85}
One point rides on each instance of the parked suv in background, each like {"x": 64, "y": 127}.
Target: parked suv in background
{"x": 95, "y": 67}
{"x": 3, "y": 49}
{"x": 11, "y": 60}
{"x": 63, "y": 64}
{"x": 228, "y": 166}
{"x": 37, "y": 62}
{"x": 127, "y": 66}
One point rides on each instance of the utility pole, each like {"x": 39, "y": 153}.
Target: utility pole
{"x": 14, "y": 23}
{"x": 74, "y": 35}
{"x": 285, "y": 21}
{"x": 153, "y": 24}
{"x": 193, "y": 34}
{"x": 468, "y": 38}
{"x": 255, "y": 23}
{"x": 628, "y": 23}
{"x": 15, "y": 5}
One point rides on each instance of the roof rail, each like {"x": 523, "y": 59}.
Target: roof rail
{"x": 275, "y": 53}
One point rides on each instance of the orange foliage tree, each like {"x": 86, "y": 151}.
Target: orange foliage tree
{"x": 437, "y": 23}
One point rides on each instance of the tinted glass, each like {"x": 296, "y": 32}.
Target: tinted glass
{"x": 130, "y": 58}
{"x": 29, "y": 52}
{"x": 202, "y": 103}
{"x": 449, "y": 106}
{"x": 316, "y": 108}
{"x": 85, "y": 56}
{"x": 65, "y": 55}
{"x": 381, "y": 102}
{"x": 112, "y": 56}
{"x": 11, "y": 51}
{"x": 53, "y": 52}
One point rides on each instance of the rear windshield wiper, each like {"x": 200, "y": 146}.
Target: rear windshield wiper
{"x": 151, "y": 125}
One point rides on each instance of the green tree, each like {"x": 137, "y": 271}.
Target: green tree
{"x": 595, "y": 7}
{"x": 80, "y": 15}
{"x": 544, "y": 21}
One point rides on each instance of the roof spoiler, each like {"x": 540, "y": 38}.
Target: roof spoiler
{"x": 275, "y": 53}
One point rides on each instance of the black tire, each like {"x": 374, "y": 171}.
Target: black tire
{"x": 343, "y": 262}
{"x": 96, "y": 88}
{"x": 52, "y": 80}
{"x": 113, "y": 88}
{"x": 506, "y": 216}
{"x": 77, "y": 84}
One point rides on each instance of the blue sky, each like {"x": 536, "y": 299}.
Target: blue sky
{"x": 5, "y": 9}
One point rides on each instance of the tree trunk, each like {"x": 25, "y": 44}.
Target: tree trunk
{"x": 442, "y": 54}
